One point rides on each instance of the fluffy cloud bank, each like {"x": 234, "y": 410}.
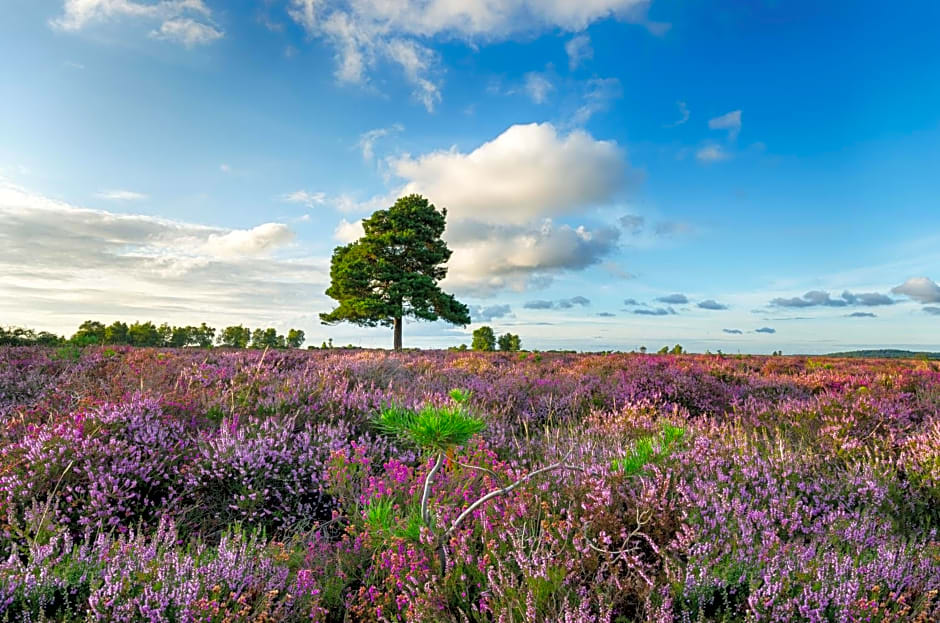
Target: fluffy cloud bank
{"x": 504, "y": 199}
{"x": 527, "y": 172}
{"x": 366, "y": 33}
{"x": 64, "y": 263}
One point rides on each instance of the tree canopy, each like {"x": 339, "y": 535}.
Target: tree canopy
{"x": 392, "y": 272}
{"x": 484, "y": 339}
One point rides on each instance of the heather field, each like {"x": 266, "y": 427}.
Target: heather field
{"x": 222, "y": 485}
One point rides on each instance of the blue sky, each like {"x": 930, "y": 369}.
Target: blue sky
{"x": 773, "y": 164}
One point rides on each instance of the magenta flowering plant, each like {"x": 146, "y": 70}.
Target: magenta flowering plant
{"x": 220, "y": 485}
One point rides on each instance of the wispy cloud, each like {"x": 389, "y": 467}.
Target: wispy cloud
{"x": 684, "y": 115}
{"x": 733, "y": 331}
{"x": 538, "y": 86}
{"x": 368, "y": 139}
{"x": 578, "y": 50}
{"x": 599, "y": 94}
{"x": 711, "y": 304}
{"x": 305, "y": 198}
{"x": 712, "y": 153}
{"x": 729, "y": 121}
{"x": 765, "y": 330}
{"x": 120, "y": 195}
{"x": 365, "y": 35}
{"x": 188, "y": 22}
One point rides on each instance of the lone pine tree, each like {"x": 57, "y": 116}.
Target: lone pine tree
{"x": 392, "y": 271}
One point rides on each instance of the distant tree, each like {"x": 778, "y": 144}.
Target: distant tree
{"x": 116, "y": 333}
{"x": 235, "y": 337}
{"x": 509, "y": 342}
{"x": 677, "y": 350}
{"x": 166, "y": 333}
{"x": 144, "y": 334}
{"x": 266, "y": 338}
{"x": 180, "y": 336}
{"x": 392, "y": 272}
{"x": 295, "y": 337}
{"x": 89, "y": 332}
{"x": 16, "y": 336}
{"x": 484, "y": 339}
{"x": 663, "y": 351}
{"x": 643, "y": 349}
{"x": 202, "y": 336}
{"x": 44, "y": 338}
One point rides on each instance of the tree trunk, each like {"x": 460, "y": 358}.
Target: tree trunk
{"x": 398, "y": 323}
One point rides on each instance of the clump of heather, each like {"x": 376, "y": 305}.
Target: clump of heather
{"x": 353, "y": 485}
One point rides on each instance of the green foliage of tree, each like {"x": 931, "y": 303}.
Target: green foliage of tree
{"x": 202, "y": 336}
{"x": 116, "y": 333}
{"x": 92, "y": 332}
{"x": 267, "y": 338}
{"x": 392, "y": 271}
{"x": 509, "y": 342}
{"x": 235, "y": 337}
{"x": 484, "y": 339}
{"x": 89, "y": 332}
{"x": 295, "y": 337}
{"x": 143, "y": 334}
{"x": 663, "y": 351}
{"x": 18, "y": 336}
{"x": 676, "y": 350}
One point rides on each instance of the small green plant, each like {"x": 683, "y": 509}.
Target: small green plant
{"x": 69, "y": 352}
{"x": 431, "y": 428}
{"x": 649, "y": 449}
{"x": 382, "y": 518}
{"x": 460, "y": 396}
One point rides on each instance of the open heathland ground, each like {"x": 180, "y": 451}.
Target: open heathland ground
{"x": 217, "y": 485}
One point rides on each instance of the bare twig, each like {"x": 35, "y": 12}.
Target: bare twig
{"x": 425, "y": 514}
{"x": 507, "y": 489}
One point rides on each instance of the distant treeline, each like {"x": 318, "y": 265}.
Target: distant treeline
{"x": 889, "y": 353}
{"x": 117, "y": 333}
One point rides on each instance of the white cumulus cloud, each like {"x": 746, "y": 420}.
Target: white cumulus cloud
{"x": 527, "y": 172}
